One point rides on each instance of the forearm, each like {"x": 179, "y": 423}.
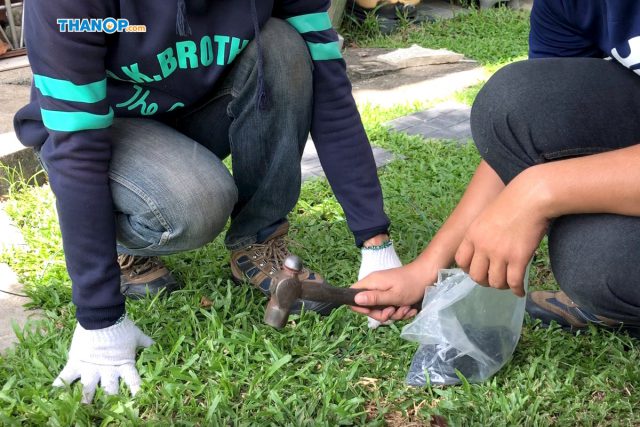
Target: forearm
{"x": 482, "y": 190}
{"x": 600, "y": 183}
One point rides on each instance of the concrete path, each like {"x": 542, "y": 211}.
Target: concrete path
{"x": 311, "y": 167}
{"x": 12, "y": 311}
{"x": 380, "y": 85}
{"x": 14, "y": 91}
{"x": 449, "y": 120}
{"x": 12, "y": 295}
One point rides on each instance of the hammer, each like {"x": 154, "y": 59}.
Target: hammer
{"x": 286, "y": 287}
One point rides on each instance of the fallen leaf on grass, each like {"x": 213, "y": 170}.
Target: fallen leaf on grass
{"x": 368, "y": 382}
{"x": 205, "y": 302}
{"x": 438, "y": 421}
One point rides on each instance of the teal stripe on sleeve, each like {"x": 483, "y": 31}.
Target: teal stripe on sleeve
{"x": 67, "y": 91}
{"x": 63, "y": 121}
{"x": 324, "y": 51}
{"x": 311, "y": 22}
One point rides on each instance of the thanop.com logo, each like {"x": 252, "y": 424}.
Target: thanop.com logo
{"x": 106, "y": 25}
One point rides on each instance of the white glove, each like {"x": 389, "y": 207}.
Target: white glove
{"x": 378, "y": 258}
{"x": 105, "y": 356}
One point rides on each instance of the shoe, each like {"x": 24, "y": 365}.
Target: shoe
{"x": 142, "y": 277}
{"x": 548, "y": 306}
{"x": 259, "y": 262}
{"x": 388, "y": 15}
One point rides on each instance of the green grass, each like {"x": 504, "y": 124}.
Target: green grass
{"x": 492, "y": 37}
{"x": 220, "y": 365}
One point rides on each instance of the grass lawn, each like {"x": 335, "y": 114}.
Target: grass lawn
{"x": 216, "y": 363}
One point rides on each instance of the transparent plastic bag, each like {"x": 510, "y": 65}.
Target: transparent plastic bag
{"x": 463, "y": 327}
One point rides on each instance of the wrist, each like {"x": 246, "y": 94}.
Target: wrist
{"x": 537, "y": 186}
{"x": 377, "y": 240}
{"x": 423, "y": 273}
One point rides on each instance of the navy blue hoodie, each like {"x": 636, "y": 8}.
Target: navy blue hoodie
{"x": 83, "y": 79}
{"x": 586, "y": 28}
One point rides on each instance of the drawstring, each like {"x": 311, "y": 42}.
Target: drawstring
{"x": 261, "y": 92}
{"x": 183, "y": 29}
{"x": 182, "y": 24}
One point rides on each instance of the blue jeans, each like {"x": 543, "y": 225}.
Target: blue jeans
{"x": 171, "y": 190}
{"x": 544, "y": 110}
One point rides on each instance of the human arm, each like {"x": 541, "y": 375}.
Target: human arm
{"x": 70, "y": 99}
{"x": 502, "y": 240}
{"x": 405, "y": 286}
{"x": 337, "y": 130}
{"x": 70, "y": 93}
{"x": 558, "y": 30}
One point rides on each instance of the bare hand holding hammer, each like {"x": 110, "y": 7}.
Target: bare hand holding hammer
{"x": 398, "y": 288}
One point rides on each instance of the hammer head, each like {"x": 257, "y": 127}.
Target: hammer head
{"x": 285, "y": 289}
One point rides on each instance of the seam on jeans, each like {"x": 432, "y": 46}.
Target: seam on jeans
{"x": 219, "y": 94}
{"x": 149, "y": 201}
{"x": 573, "y": 152}
{"x": 246, "y": 241}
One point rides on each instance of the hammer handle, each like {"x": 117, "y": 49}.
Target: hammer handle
{"x": 323, "y": 292}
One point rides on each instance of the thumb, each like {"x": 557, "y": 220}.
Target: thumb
{"x": 144, "y": 340}
{"x": 368, "y": 298}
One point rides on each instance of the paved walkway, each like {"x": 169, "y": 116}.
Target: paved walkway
{"x": 449, "y": 120}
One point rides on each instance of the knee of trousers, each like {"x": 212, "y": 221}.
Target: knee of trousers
{"x": 183, "y": 218}
{"x": 595, "y": 259}
{"x": 500, "y": 113}
{"x": 288, "y": 68}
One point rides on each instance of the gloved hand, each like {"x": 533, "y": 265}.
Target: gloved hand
{"x": 378, "y": 258}
{"x": 105, "y": 356}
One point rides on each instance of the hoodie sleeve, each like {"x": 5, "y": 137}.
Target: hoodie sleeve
{"x": 555, "y": 32}
{"x": 337, "y": 130}
{"x": 70, "y": 91}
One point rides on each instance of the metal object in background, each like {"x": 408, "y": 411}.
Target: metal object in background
{"x": 15, "y": 38}
{"x": 6, "y": 38}
{"x": 12, "y": 24}
{"x": 286, "y": 287}
{"x": 22, "y": 25}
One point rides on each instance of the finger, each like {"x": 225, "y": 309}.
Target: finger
{"x": 373, "y": 281}
{"x": 411, "y": 314}
{"x": 375, "y": 314}
{"x": 498, "y": 274}
{"x": 89, "y": 379}
{"x": 515, "y": 278}
{"x": 109, "y": 380}
{"x": 479, "y": 269}
{"x": 464, "y": 255}
{"x": 400, "y": 313}
{"x": 69, "y": 374}
{"x": 361, "y": 310}
{"x": 387, "y": 313}
{"x": 144, "y": 340}
{"x": 382, "y": 298}
{"x": 131, "y": 378}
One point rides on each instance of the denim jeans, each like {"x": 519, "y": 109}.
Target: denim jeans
{"x": 543, "y": 110}
{"x": 170, "y": 188}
